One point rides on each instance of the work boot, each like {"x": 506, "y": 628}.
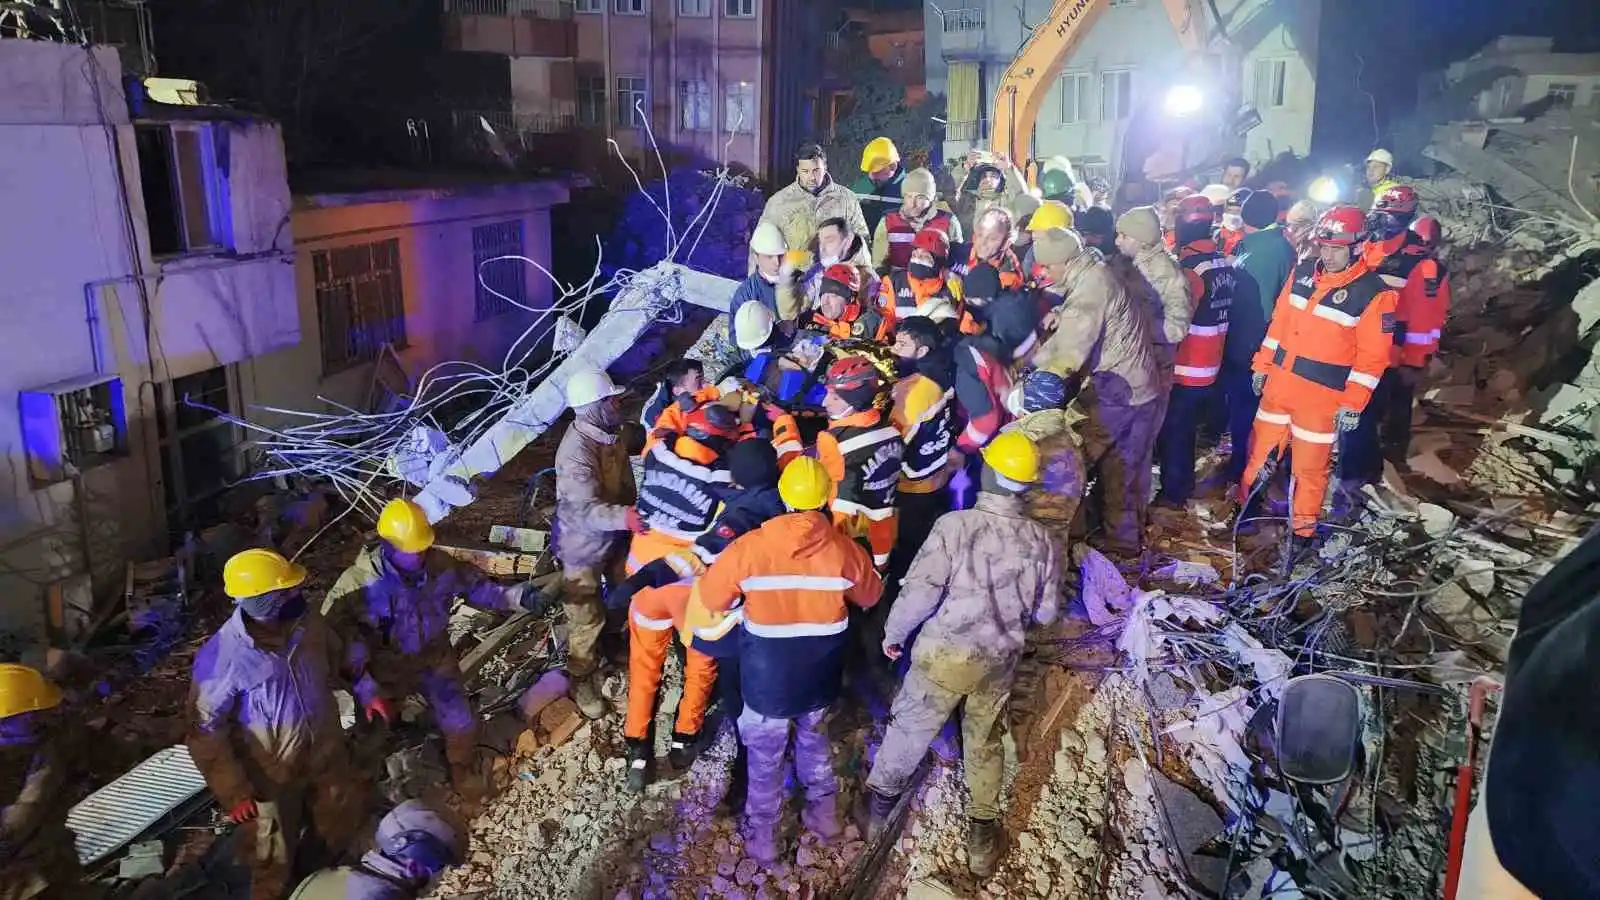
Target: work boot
{"x": 682, "y": 751}
{"x": 638, "y": 765}
{"x": 738, "y": 784}
{"x": 983, "y": 846}
{"x": 586, "y": 694}
{"x": 821, "y": 818}
{"x": 879, "y": 808}
{"x": 761, "y": 842}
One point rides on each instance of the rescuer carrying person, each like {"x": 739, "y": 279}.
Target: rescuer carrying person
{"x": 861, "y": 452}
{"x": 846, "y": 310}
{"x": 39, "y": 753}
{"x": 1211, "y": 281}
{"x": 1325, "y": 351}
{"x": 393, "y": 607}
{"x": 914, "y": 289}
{"x": 264, "y": 726}
{"x": 413, "y": 846}
{"x": 923, "y": 408}
{"x": 796, "y": 575}
{"x": 685, "y": 482}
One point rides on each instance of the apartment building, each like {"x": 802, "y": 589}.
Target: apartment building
{"x": 695, "y": 73}
{"x": 1128, "y": 57}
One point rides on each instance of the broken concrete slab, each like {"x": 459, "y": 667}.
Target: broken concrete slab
{"x": 1436, "y": 520}
{"x": 1194, "y": 824}
{"x": 559, "y": 721}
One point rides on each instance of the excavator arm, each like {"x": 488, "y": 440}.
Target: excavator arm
{"x": 1022, "y": 89}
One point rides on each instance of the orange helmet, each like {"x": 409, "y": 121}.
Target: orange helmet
{"x": 1427, "y": 228}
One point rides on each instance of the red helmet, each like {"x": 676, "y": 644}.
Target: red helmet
{"x": 1195, "y": 210}
{"x": 853, "y": 374}
{"x": 846, "y": 275}
{"x": 712, "y": 422}
{"x": 1342, "y": 226}
{"x": 1401, "y": 200}
{"x": 1428, "y": 229}
{"x": 933, "y": 241}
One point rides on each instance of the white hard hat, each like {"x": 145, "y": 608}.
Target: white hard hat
{"x": 768, "y": 240}
{"x": 414, "y": 830}
{"x": 1216, "y": 193}
{"x": 752, "y": 325}
{"x": 1381, "y": 155}
{"x": 939, "y": 309}
{"x": 587, "y": 387}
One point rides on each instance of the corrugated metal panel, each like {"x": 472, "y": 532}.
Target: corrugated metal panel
{"x": 127, "y": 807}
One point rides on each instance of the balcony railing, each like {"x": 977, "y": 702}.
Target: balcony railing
{"x": 536, "y": 9}
{"x": 962, "y": 131}
{"x": 515, "y": 128}
{"x": 968, "y": 19}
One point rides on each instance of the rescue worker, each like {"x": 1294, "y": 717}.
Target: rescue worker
{"x": 982, "y": 578}
{"x": 1211, "y": 281}
{"x": 1408, "y": 265}
{"x": 684, "y": 484}
{"x": 1299, "y": 226}
{"x": 1379, "y": 166}
{"x": 846, "y": 310}
{"x": 681, "y": 384}
{"x": 1230, "y": 230}
{"x": 1103, "y": 343}
{"x": 264, "y": 725}
{"x": 861, "y": 451}
{"x": 897, "y": 231}
{"x": 1022, "y": 207}
{"x": 393, "y": 604}
{"x": 1042, "y": 418}
{"x": 984, "y": 187}
{"x": 1050, "y": 214}
{"x": 1326, "y": 348}
{"x": 770, "y": 367}
{"x": 1169, "y": 208}
{"x": 983, "y": 371}
{"x": 1099, "y": 231}
{"x": 1262, "y": 263}
{"x": 594, "y": 510}
{"x": 39, "y": 750}
{"x": 1056, "y": 184}
{"x": 882, "y": 181}
{"x": 798, "y": 575}
{"x": 414, "y": 845}
{"x": 770, "y": 250}
{"x": 800, "y": 208}
{"x": 923, "y": 408}
{"x": 1170, "y": 302}
{"x": 836, "y": 246}
{"x": 1234, "y": 173}
{"x": 910, "y": 290}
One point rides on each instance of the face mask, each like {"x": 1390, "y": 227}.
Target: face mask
{"x": 829, "y": 261}
{"x": 1232, "y": 221}
{"x": 923, "y": 270}
{"x": 904, "y": 366}
{"x": 769, "y": 279}
{"x": 293, "y": 608}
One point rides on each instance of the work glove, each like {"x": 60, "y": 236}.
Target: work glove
{"x": 635, "y": 523}
{"x": 1346, "y": 419}
{"x": 893, "y": 650}
{"x": 1258, "y": 380}
{"x": 534, "y": 600}
{"x": 243, "y": 811}
{"x": 379, "y": 708}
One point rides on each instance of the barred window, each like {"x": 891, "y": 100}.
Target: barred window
{"x": 360, "y": 304}
{"x": 496, "y": 279}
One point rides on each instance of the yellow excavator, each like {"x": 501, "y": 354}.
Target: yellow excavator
{"x": 1022, "y": 89}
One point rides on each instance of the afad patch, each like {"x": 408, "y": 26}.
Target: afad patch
{"x": 1388, "y": 323}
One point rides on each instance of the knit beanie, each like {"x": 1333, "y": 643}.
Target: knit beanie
{"x": 1056, "y": 245}
{"x": 982, "y": 283}
{"x": 753, "y": 464}
{"x": 1260, "y": 210}
{"x": 1142, "y": 224}
{"x": 1023, "y": 206}
{"x": 919, "y": 181}
{"x": 1096, "y": 227}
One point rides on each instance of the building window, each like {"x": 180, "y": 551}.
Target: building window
{"x": 592, "y": 100}
{"x": 1075, "y": 102}
{"x": 630, "y": 102}
{"x": 739, "y": 9}
{"x": 694, "y": 104}
{"x": 199, "y": 447}
{"x": 1117, "y": 3}
{"x": 1116, "y": 95}
{"x": 695, "y": 8}
{"x": 740, "y": 108}
{"x": 588, "y": 6}
{"x": 359, "y": 302}
{"x": 969, "y": 19}
{"x": 629, "y": 7}
{"x": 1562, "y": 94}
{"x": 1271, "y": 77}
{"x": 185, "y": 191}
{"x": 501, "y": 283}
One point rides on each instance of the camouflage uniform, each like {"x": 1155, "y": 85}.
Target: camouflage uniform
{"x": 1053, "y": 502}
{"x": 38, "y": 860}
{"x": 594, "y": 488}
{"x": 797, "y": 212}
{"x": 982, "y": 577}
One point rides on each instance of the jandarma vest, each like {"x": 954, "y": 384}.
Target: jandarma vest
{"x": 677, "y": 496}
{"x": 1200, "y": 354}
{"x": 872, "y": 455}
{"x": 901, "y": 231}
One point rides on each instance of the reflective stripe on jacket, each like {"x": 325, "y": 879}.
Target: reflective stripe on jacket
{"x": 1200, "y": 355}
{"x": 899, "y": 231}
{"x": 928, "y": 439}
{"x": 862, "y": 453}
{"x": 1332, "y": 330}
{"x": 1407, "y": 267}
{"x": 907, "y": 295}
{"x": 679, "y": 497}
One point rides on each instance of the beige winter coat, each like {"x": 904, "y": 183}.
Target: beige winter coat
{"x": 1172, "y": 308}
{"x": 1103, "y": 334}
{"x": 797, "y": 212}
{"x": 594, "y": 488}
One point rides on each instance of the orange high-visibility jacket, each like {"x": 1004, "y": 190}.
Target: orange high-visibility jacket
{"x": 1333, "y": 330}
{"x": 1407, "y": 266}
{"x": 1211, "y": 279}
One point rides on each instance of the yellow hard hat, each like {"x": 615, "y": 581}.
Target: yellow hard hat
{"x": 405, "y": 526}
{"x": 1013, "y": 455}
{"x": 251, "y": 573}
{"x": 24, "y": 690}
{"x": 1050, "y": 214}
{"x": 880, "y": 152}
{"x": 805, "y": 484}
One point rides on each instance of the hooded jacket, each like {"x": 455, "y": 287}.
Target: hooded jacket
{"x": 1104, "y": 333}
{"x": 797, "y": 212}
{"x": 984, "y": 575}
{"x": 261, "y": 708}
{"x": 983, "y": 368}
{"x": 797, "y": 575}
{"x": 594, "y": 488}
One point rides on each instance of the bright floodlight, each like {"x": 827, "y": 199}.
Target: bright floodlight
{"x": 1323, "y": 190}
{"x": 1184, "y": 100}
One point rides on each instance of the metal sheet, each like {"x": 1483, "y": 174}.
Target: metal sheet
{"x": 124, "y": 809}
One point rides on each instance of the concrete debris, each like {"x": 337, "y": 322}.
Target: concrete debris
{"x": 1436, "y": 520}
{"x": 550, "y": 687}
{"x": 1193, "y": 824}
{"x": 143, "y": 860}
